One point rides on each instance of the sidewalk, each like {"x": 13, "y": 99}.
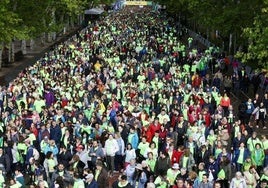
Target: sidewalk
{"x": 10, "y": 72}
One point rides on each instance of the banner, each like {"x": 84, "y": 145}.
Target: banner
{"x": 139, "y": 3}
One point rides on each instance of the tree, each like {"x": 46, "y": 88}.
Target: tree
{"x": 9, "y": 26}
{"x": 23, "y": 20}
{"x": 256, "y": 52}
{"x": 94, "y": 3}
{"x": 180, "y": 8}
{"x": 228, "y": 17}
{"x": 46, "y": 18}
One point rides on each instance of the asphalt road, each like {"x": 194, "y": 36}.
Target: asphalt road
{"x": 10, "y": 72}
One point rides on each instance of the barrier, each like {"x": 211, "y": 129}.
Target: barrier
{"x": 198, "y": 37}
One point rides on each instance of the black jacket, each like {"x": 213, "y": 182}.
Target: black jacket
{"x": 65, "y": 158}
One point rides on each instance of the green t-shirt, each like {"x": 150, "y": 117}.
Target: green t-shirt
{"x": 221, "y": 175}
{"x": 22, "y": 147}
{"x": 38, "y": 104}
{"x": 143, "y": 146}
{"x": 171, "y": 176}
{"x": 217, "y": 152}
{"x": 264, "y": 177}
{"x": 86, "y": 128}
{"x": 156, "y": 141}
{"x": 151, "y": 163}
{"x": 51, "y": 164}
{"x": 2, "y": 181}
{"x": 160, "y": 183}
{"x": 160, "y": 85}
{"x": 240, "y": 159}
{"x": 184, "y": 161}
{"x": 211, "y": 139}
{"x": 79, "y": 183}
{"x": 141, "y": 78}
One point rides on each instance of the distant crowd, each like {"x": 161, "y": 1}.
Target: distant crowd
{"x": 132, "y": 96}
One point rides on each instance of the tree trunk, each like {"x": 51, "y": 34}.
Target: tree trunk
{"x": 54, "y": 36}
{"x": 43, "y": 38}
{"x": 235, "y": 44}
{"x": 23, "y": 47}
{"x": 230, "y": 42}
{"x": 81, "y": 18}
{"x": 64, "y": 30}
{"x": 11, "y": 52}
{"x": 31, "y": 44}
{"x": 78, "y": 20}
{"x": 49, "y": 37}
{"x": 61, "y": 18}
{"x": 71, "y": 22}
{"x": 67, "y": 25}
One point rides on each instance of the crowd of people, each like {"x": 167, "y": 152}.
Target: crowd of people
{"x": 128, "y": 97}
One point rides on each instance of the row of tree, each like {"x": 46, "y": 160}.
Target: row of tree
{"x": 27, "y": 20}
{"x": 242, "y": 25}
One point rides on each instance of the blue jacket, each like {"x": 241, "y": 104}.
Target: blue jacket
{"x": 29, "y": 154}
{"x": 92, "y": 184}
{"x": 55, "y": 134}
{"x": 214, "y": 168}
{"x": 250, "y": 108}
{"x": 94, "y": 153}
{"x": 53, "y": 149}
{"x": 237, "y": 152}
{"x": 134, "y": 140}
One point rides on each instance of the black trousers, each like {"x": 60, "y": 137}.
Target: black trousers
{"x": 118, "y": 162}
{"x": 110, "y": 163}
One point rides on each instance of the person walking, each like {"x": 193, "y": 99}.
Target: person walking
{"x": 101, "y": 175}
{"x": 238, "y": 181}
{"x": 111, "y": 147}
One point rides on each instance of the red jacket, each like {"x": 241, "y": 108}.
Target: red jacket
{"x": 168, "y": 76}
{"x": 174, "y": 120}
{"x": 34, "y": 131}
{"x": 197, "y": 81}
{"x": 153, "y": 128}
{"x": 225, "y": 101}
{"x": 162, "y": 134}
{"x": 147, "y": 133}
{"x": 207, "y": 119}
{"x": 176, "y": 156}
{"x": 192, "y": 118}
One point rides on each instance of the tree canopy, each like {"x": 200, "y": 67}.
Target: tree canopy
{"x": 257, "y": 44}
{"x": 9, "y": 23}
{"x": 246, "y": 20}
{"x": 20, "y": 19}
